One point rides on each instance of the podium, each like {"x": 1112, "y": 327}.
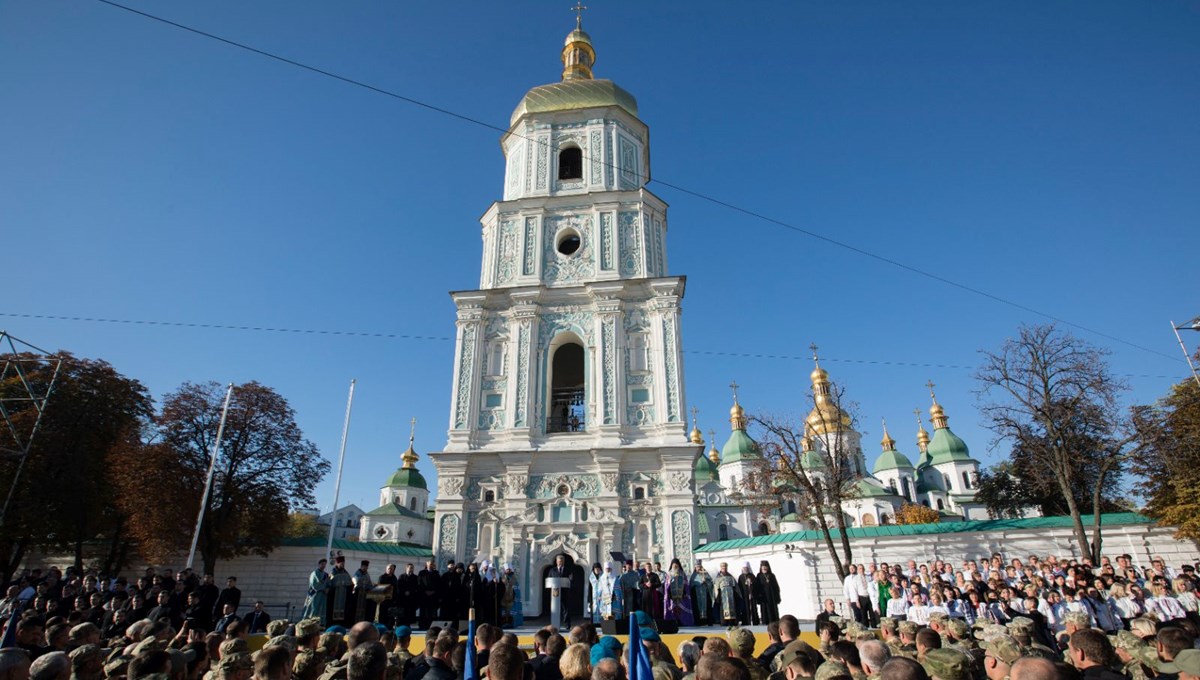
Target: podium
{"x": 556, "y": 584}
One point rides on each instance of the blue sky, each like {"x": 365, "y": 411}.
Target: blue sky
{"x": 1045, "y": 152}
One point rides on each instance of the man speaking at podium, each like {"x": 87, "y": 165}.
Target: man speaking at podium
{"x": 560, "y": 571}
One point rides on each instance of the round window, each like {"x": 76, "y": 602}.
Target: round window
{"x": 569, "y": 242}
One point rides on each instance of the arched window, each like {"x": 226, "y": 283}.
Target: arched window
{"x": 763, "y": 529}
{"x": 412, "y": 504}
{"x": 791, "y": 507}
{"x": 723, "y": 533}
{"x": 946, "y": 479}
{"x": 489, "y": 496}
{"x": 868, "y": 520}
{"x": 639, "y": 361}
{"x": 966, "y": 480}
{"x": 567, "y": 407}
{"x": 639, "y": 493}
{"x": 885, "y": 519}
{"x": 570, "y": 163}
{"x": 940, "y": 504}
{"x": 925, "y": 503}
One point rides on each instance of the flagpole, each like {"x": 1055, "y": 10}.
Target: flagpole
{"x": 337, "y": 487}
{"x": 212, "y": 468}
{"x": 1186, "y": 355}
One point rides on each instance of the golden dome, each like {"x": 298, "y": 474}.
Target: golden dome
{"x": 737, "y": 417}
{"x": 697, "y": 436}
{"x": 887, "y": 442}
{"x": 825, "y": 416}
{"x": 409, "y": 457}
{"x": 936, "y": 413}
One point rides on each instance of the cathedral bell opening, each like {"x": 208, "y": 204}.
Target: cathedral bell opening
{"x": 568, "y": 409}
{"x": 570, "y": 163}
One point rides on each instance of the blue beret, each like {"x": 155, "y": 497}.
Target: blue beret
{"x": 403, "y": 631}
{"x": 340, "y": 630}
{"x": 649, "y": 634}
{"x": 643, "y": 619}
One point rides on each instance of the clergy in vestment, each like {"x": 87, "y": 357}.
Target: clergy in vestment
{"x": 746, "y": 585}
{"x": 629, "y": 589}
{"x": 651, "y": 590}
{"x": 677, "y": 601}
{"x": 339, "y": 607}
{"x": 364, "y": 609}
{"x": 726, "y": 589}
{"x": 314, "y": 602}
{"x": 702, "y": 595}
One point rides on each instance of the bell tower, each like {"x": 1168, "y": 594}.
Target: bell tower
{"x": 567, "y": 427}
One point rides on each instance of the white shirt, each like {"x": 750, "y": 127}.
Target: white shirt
{"x": 854, "y": 587}
{"x": 919, "y": 613}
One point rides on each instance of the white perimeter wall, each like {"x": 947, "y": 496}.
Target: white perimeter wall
{"x": 807, "y": 574}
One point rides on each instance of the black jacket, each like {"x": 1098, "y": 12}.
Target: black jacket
{"x": 438, "y": 670}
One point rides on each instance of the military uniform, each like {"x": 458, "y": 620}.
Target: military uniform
{"x": 309, "y": 664}
{"x": 1144, "y": 656}
{"x": 947, "y": 664}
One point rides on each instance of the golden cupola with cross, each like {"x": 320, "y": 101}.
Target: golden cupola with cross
{"x": 826, "y": 415}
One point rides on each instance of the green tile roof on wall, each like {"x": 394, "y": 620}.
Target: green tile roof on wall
{"x": 972, "y": 526}
{"x": 402, "y": 549}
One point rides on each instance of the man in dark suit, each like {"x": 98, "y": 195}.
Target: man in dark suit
{"x": 256, "y": 621}
{"x": 229, "y": 617}
{"x": 560, "y": 570}
{"x": 429, "y": 586}
{"x": 229, "y": 595}
{"x": 163, "y": 610}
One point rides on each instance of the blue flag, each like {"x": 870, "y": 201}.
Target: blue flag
{"x": 638, "y": 660}
{"x": 469, "y": 670}
{"x": 10, "y": 633}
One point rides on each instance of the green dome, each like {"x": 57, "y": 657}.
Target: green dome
{"x": 574, "y": 94}
{"x": 923, "y": 460}
{"x": 705, "y": 470}
{"x": 406, "y": 476}
{"x": 892, "y": 460}
{"x": 947, "y": 447}
{"x": 868, "y": 488}
{"x": 811, "y": 460}
{"x": 739, "y": 447}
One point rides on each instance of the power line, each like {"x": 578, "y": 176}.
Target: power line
{"x": 442, "y": 338}
{"x": 695, "y": 194}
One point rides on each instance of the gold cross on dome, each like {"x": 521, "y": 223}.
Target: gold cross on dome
{"x": 930, "y": 385}
{"x": 694, "y": 412}
{"x": 578, "y": 9}
{"x": 814, "y": 348}
{"x": 734, "y": 386}
{"x": 412, "y": 432}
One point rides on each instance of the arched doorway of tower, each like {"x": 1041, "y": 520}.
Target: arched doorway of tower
{"x": 568, "y": 393}
{"x": 573, "y": 598}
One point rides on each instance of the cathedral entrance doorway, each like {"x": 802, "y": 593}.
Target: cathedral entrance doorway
{"x": 573, "y": 599}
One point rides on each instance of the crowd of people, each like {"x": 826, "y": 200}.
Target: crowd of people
{"x": 699, "y": 598}
{"x": 71, "y": 626}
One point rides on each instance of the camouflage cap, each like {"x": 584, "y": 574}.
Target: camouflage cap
{"x": 238, "y": 661}
{"x": 1077, "y": 618}
{"x": 838, "y": 621}
{"x": 307, "y": 627}
{"x": 277, "y": 627}
{"x": 116, "y": 665}
{"x": 235, "y": 646}
{"x": 958, "y": 628}
{"x": 328, "y": 643}
{"x": 742, "y": 641}
{"x": 149, "y": 646}
{"x": 85, "y": 653}
{"x": 888, "y": 623}
{"x": 947, "y": 664}
{"x": 286, "y": 641}
{"x": 1126, "y": 640}
{"x": 990, "y": 631}
{"x": 1021, "y": 623}
{"x": 908, "y": 627}
{"x": 1003, "y": 647}
{"x": 831, "y": 669}
{"x": 938, "y": 616}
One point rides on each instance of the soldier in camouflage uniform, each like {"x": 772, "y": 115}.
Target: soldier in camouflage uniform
{"x": 1021, "y": 629}
{"x": 908, "y": 639}
{"x": 277, "y": 627}
{"x": 888, "y": 634}
{"x": 310, "y": 663}
{"x": 937, "y": 622}
{"x": 742, "y": 641}
{"x": 403, "y": 657}
{"x": 829, "y": 632}
{"x": 958, "y": 637}
{"x": 947, "y": 664}
{"x": 1002, "y": 652}
{"x": 1138, "y": 660}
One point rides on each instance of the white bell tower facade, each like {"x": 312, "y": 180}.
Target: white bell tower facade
{"x": 567, "y": 429}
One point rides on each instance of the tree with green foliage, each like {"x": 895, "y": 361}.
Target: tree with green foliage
{"x": 265, "y": 468}
{"x": 63, "y": 498}
{"x": 1169, "y": 458}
